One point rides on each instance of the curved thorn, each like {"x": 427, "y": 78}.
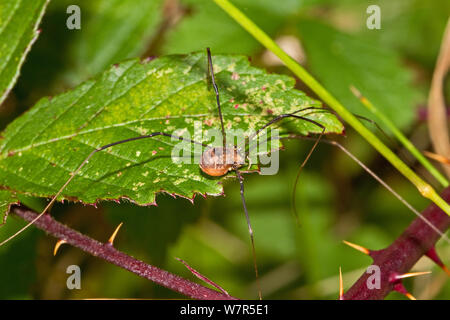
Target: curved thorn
{"x": 57, "y": 245}
{"x": 113, "y": 236}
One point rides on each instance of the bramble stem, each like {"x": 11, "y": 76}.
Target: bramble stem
{"x": 398, "y": 258}
{"x": 424, "y": 188}
{"x": 107, "y": 252}
{"x": 402, "y": 254}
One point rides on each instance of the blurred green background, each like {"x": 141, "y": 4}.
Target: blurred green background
{"x": 336, "y": 199}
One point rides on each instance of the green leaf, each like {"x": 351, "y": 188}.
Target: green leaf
{"x": 209, "y": 26}
{"x": 111, "y": 31}
{"x": 6, "y": 199}
{"x": 339, "y": 60}
{"x": 19, "y": 20}
{"x": 42, "y": 147}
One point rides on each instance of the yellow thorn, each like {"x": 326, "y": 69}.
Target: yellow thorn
{"x": 57, "y": 245}
{"x": 113, "y": 236}
{"x": 357, "y": 247}
{"x": 411, "y": 274}
{"x": 341, "y": 285}
{"x": 410, "y": 296}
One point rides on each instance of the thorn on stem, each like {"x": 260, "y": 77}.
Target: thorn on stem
{"x": 437, "y": 157}
{"x": 113, "y": 236}
{"x": 408, "y": 275}
{"x": 410, "y": 296}
{"x": 357, "y": 247}
{"x": 396, "y": 279}
{"x": 401, "y": 289}
{"x": 432, "y": 254}
{"x": 202, "y": 277}
{"x": 57, "y": 245}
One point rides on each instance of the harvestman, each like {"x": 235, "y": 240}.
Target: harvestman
{"x": 218, "y": 161}
{"x": 214, "y": 161}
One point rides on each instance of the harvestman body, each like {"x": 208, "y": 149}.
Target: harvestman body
{"x": 219, "y": 161}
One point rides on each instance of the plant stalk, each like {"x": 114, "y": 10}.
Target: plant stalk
{"x": 107, "y": 252}
{"x": 401, "y": 137}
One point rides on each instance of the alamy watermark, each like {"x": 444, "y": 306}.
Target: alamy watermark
{"x": 374, "y": 280}
{"x": 374, "y": 19}
{"x": 74, "y": 19}
{"x": 74, "y": 280}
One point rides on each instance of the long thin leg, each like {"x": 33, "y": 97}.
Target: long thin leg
{"x": 373, "y": 174}
{"x": 293, "y": 115}
{"x": 377, "y": 126}
{"x": 377, "y": 178}
{"x": 250, "y": 230}
{"x": 279, "y": 118}
{"x": 315, "y": 110}
{"x": 73, "y": 174}
{"x": 294, "y": 191}
{"x": 213, "y": 79}
{"x": 286, "y": 115}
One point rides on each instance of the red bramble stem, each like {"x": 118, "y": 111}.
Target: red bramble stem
{"x": 107, "y": 252}
{"x": 417, "y": 240}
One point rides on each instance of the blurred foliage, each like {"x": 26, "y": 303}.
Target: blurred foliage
{"x": 106, "y": 38}
{"x": 363, "y": 64}
{"x": 18, "y": 262}
{"x": 414, "y": 28}
{"x": 205, "y": 24}
{"x": 336, "y": 199}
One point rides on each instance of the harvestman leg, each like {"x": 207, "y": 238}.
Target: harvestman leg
{"x": 314, "y": 110}
{"x": 241, "y": 179}
{"x": 85, "y": 161}
{"x": 378, "y": 179}
{"x": 334, "y": 143}
{"x": 293, "y": 115}
{"x": 216, "y": 90}
{"x": 241, "y": 183}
